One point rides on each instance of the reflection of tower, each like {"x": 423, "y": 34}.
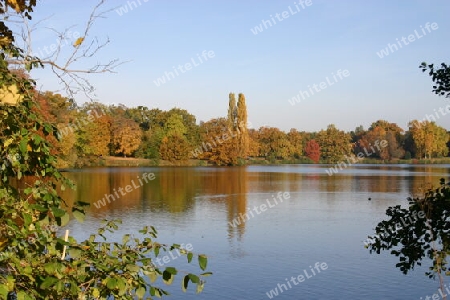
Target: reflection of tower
{"x": 236, "y": 179}
{"x": 231, "y": 184}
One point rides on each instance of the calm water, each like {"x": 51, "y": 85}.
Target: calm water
{"x": 325, "y": 220}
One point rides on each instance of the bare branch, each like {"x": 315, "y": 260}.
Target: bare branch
{"x": 64, "y": 63}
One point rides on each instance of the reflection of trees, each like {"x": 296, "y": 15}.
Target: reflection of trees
{"x": 269, "y": 182}
{"x": 95, "y": 185}
{"x": 173, "y": 190}
{"x": 231, "y": 182}
{"x": 419, "y": 184}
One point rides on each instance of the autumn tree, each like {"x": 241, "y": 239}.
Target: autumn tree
{"x": 174, "y": 148}
{"x": 126, "y": 136}
{"x": 95, "y": 136}
{"x": 232, "y": 112}
{"x": 394, "y": 149}
{"x": 253, "y": 143}
{"x": 242, "y": 122}
{"x": 429, "y": 139}
{"x": 392, "y": 133}
{"x": 295, "y": 138}
{"x": 274, "y": 143}
{"x": 369, "y": 144}
{"x": 312, "y": 150}
{"x": 334, "y": 144}
{"x": 219, "y": 142}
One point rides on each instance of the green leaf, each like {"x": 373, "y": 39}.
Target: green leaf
{"x": 27, "y": 219}
{"x": 172, "y": 270}
{"x": 121, "y": 285}
{"x": 194, "y": 278}
{"x": 144, "y": 230}
{"x": 168, "y": 278}
{"x": 21, "y": 295}
{"x": 3, "y": 291}
{"x": 140, "y": 292}
{"x": 50, "y": 268}
{"x": 125, "y": 239}
{"x": 185, "y": 283}
{"x": 202, "y": 261}
{"x": 95, "y": 293}
{"x": 189, "y": 257}
{"x": 48, "y": 282}
{"x": 78, "y": 215}
{"x": 64, "y": 220}
{"x": 133, "y": 268}
{"x": 23, "y": 146}
{"x": 111, "y": 283}
{"x": 57, "y": 212}
{"x": 156, "y": 292}
{"x": 74, "y": 252}
{"x": 206, "y": 274}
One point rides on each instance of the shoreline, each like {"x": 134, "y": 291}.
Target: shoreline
{"x": 111, "y": 161}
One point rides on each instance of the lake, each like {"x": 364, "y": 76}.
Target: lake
{"x": 261, "y": 226}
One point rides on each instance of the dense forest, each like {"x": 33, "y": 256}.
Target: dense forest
{"x": 93, "y": 131}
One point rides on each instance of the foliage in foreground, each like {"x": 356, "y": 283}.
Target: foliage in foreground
{"x": 31, "y": 262}
{"x": 422, "y": 231}
{"x": 35, "y": 262}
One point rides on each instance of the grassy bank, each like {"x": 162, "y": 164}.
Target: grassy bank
{"x": 112, "y": 161}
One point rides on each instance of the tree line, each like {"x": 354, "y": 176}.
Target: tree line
{"x": 95, "y": 130}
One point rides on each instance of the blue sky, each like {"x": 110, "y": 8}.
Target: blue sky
{"x": 309, "y": 44}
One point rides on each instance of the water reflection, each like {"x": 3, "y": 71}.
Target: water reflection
{"x": 325, "y": 219}
{"x": 176, "y": 190}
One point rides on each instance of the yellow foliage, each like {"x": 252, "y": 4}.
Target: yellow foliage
{"x": 10, "y": 95}
{"x": 3, "y": 242}
{"x": 18, "y": 7}
{"x": 78, "y": 42}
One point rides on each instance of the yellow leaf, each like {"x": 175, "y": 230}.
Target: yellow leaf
{"x": 78, "y": 41}
{"x": 3, "y": 242}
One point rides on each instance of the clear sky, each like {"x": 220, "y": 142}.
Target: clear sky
{"x": 300, "y": 46}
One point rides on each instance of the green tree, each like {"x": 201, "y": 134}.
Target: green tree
{"x": 192, "y": 133}
{"x": 334, "y": 144}
{"x": 174, "y": 126}
{"x": 274, "y": 143}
